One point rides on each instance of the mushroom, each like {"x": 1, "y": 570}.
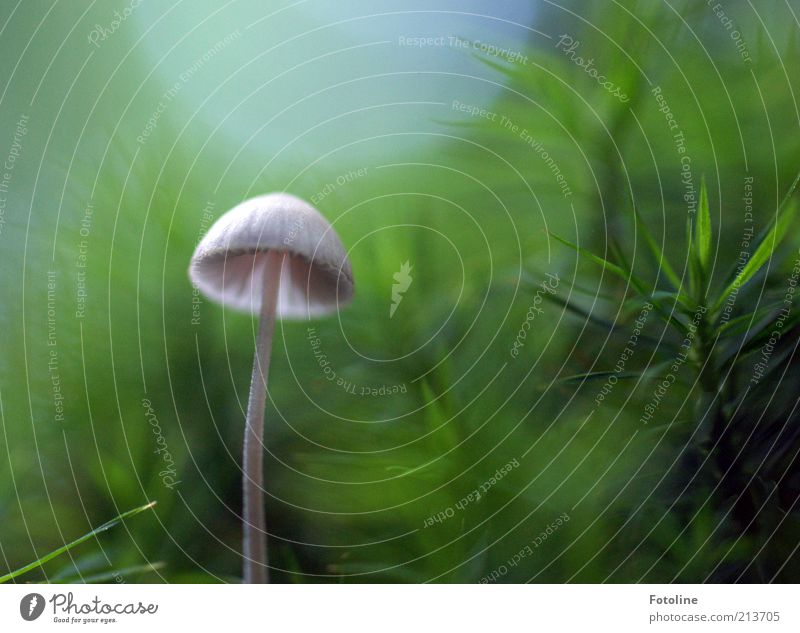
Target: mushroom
{"x": 273, "y": 255}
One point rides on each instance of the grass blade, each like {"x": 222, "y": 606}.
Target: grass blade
{"x": 628, "y": 276}
{"x": 532, "y": 282}
{"x": 763, "y": 252}
{"x": 596, "y": 320}
{"x": 748, "y": 322}
{"x": 695, "y": 268}
{"x": 595, "y": 376}
{"x": 61, "y": 550}
{"x": 581, "y": 312}
{"x": 661, "y": 297}
{"x": 763, "y": 336}
{"x": 656, "y": 252}
{"x": 756, "y": 340}
{"x": 635, "y": 281}
{"x": 703, "y": 231}
{"x": 114, "y": 574}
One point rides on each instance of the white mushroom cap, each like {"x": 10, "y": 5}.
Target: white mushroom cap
{"x": 228, "y": 263}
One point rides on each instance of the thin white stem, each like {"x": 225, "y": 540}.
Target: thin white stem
{"x": 254, "y": 527}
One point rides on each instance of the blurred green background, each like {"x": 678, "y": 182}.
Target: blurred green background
{"x": 128, "y": 134}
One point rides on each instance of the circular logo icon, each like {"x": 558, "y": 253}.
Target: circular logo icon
{"x": 31, "y": 606}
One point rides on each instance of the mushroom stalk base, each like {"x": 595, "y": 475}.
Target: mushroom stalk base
{"x": 254, "y": 526}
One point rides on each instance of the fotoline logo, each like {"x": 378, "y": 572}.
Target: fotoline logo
{"x": 31, "y": 606}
